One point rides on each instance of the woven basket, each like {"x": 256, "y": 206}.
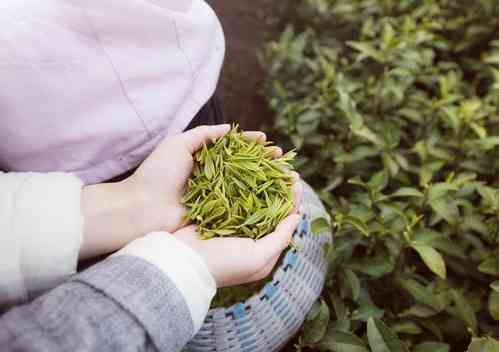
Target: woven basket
{"x": 269, "y": 319}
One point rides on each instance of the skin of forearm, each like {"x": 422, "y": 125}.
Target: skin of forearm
{"x": 109, "y": 218}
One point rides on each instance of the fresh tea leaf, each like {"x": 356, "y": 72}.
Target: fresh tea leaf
{"x": 382, "y": 338}
{"x": 432, "y": 259}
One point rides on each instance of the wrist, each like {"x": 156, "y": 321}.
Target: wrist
{"x": 109, "y": 219}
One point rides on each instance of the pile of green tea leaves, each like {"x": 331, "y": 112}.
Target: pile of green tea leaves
{"x": 238, "y": 189}
{"x": 393, "y": 107}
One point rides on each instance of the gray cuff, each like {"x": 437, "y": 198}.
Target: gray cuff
{"x": 147, "y": 294}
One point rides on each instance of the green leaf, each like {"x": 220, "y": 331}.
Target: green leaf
{"x": 486, "y": 144}
{"x": 407, "y": 327}
{"x": 357, "y": 224}
{"x": 308, "y": 122}
{"x": 339, "y": 306}
{"x": 495, "y": 286}
{"x": 340, "y": 341}
{"x": 447, "y": 209}
{"x": 449, "y": 247}
{"x": 367, "y": 50}
{"x": 484, "y": 345}
{"x": 432, "y": 347}
{"x": 438, "y": 241}
{"x": 439, "y": 190}
{"x": 432, "y": 259}
{"x": 494, "y": 305}
{"x": 419, "y": 310}
{"x": 464, "y": 309}
{"x": 316, "y": 324}
{"x": 490, "y": 266}
{"x": 382, "y": 338}
{"x": 422, "y": 294}
{"x": 368, "y": 134}
{"x": 375, "y": 267}
{"x": 426, "y": 236}
{"x": 367, "y": 311}
{"x": 353, "y": 283}
{"x": 378, "y": 181}
{"x": 407, "y": 192}
{"x": 320, "y": 225}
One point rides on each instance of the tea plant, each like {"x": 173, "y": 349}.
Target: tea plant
{"x": 393, "y": 107}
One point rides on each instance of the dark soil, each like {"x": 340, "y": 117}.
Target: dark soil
{"x": 247, "y": 25}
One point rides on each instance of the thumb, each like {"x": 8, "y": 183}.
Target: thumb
{"x": 274, "y": 243}
{"x": 194, "y": 139}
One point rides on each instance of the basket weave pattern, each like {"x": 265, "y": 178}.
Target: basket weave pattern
{"x": 266, "y": 321}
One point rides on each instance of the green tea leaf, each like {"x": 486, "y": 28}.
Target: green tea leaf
{"x": 490, "y": 266}
{"x": 494, "y": 305}
{"x": 422, "y": 294}
{"x": 339, "y": 341}
{"x": 484, "y": 345}
{"x": 357, "y": 224}
{"x": 353, "y": 282}
{"x": 316, "y": 324}
{"x": 367, "y": 311}
{"x": 406, "y": 327}
{"x": 432, "y": 259}
{"x": 440, "y": 190}
{"x": 367, "y": 50}
{"x": 432, "y": 347}
{"x": 446, "y": 209}
{"x": 382, "y": 338}
{"x": 407, "y": 192}
{"x": 464, "y": 309}
{"x": 320, "y": 225}
{"x": 419, "y": 310}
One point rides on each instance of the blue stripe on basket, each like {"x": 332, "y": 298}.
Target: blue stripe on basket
{"x": 301, "y": 227}
{"x": 291, "y": 258}
{"x": 270, "y": 290}
{"x": 306, "y": 227}
{"x": 238, "y": 311}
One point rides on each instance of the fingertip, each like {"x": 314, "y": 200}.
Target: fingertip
{"x": 274, "y": 151}
{"x": 225, "y": 127}
{"x": 256, "y": 136}
{"x": 288, "y": 226}
{"x": 219, "y": 131}
{"x": 274, "y": 243}
{"x": 196, "y": 137}
{"x": 295, "y": 176}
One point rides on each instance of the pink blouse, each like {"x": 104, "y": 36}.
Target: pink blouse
{"x": 91, "y": 87}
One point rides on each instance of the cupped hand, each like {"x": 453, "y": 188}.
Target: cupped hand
{"x": 161, "y": 180}
{"x": 150, "y": 199}
{"x": 234, "y": 261}
{"x": 159, "y": 183}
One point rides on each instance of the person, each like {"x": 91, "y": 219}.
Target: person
{"x": 90, "y": 91}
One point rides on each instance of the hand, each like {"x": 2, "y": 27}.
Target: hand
{"x": 160, "y": 181}
{"x": 149, "y": 200}
{"x": 235, "y": 261}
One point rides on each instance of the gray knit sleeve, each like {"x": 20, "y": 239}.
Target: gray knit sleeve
{"x": 121, "y": 304}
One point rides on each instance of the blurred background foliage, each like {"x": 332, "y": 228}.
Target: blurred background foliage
{"x": 393, "y": 107}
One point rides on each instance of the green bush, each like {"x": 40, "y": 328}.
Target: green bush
{"x": 393, "y": 107}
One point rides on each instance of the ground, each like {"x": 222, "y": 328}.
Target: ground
{"x": 247, "y": 24}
